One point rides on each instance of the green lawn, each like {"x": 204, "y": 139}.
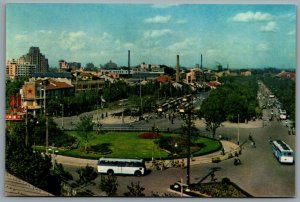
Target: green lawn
{"x": 128, "y": 145}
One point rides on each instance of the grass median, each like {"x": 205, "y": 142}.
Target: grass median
{"x": 127, "y": 145}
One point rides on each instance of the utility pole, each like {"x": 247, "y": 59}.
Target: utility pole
{"x": 62, "y": 116}
{"x": 44, "y": 82}
{"x": 26, "y": 122}
{"x": 141, "y": 97}
{"x": 189, "y": 147}
{"x": 238, "y": 138}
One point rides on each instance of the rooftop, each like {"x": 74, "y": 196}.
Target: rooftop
{"x": 17, "y": 187}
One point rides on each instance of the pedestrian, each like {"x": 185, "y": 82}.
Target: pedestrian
{"x": 253, "y": 144}
{"x": 223, "y": 151}
{"x": 212, "y": 176}
{"x": 270, "y": 140}
{"x": 250, "y": 137}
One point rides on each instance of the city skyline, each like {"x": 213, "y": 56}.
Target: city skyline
{"x": 242, "y": 36}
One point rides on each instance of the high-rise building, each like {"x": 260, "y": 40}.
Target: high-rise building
{"x": 13, "y": 68}
{"x": 35, "y": 57}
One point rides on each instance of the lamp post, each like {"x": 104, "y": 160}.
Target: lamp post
{"x": 189, "y": 147}
{"x": 189, "y": 112}
{"x": 26, "y": 122}
{"x": 141, "y": 101}
{"x": 44, "y": 83}
{"x": 238, "y": 137}
{"x": 62, "y": 116}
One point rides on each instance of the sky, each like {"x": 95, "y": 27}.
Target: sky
{"x": 240, "y": 36}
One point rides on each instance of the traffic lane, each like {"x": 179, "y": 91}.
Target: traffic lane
{"x": 260, "y": 173}
{"x": 153, "y": 182}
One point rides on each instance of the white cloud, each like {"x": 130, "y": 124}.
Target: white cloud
{"x": 181, "y": 22}
{"x": 45, "y": 31}
{"x": 251, "y": 16}
{"x": 262, "y": 47}
{"x": 269, "y": 27}
{"x": 156, "y": 33}
{"x": 158, "y": 19}
{"x": 73, "y": 40}
{"x": 186, "y": 44}
{"x": 21, "y": 37}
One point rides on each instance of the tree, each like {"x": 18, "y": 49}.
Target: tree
{"x": 87, "y": 176}
{"x": 134, "y": 190}
{"x": 30, "y": 166}
{"x": 109, "y": 184}
{"x": 169, "y": 71}
{"x": 212, "y": 111}
{"x": 90, "y": 67}
{"x": 84, "y": 126}
{"x": 60, "y": 171}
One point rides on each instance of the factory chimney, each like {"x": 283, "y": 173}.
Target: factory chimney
{"x": 128, "y": 61}
{"x": 177, "y": 69}
{"x": 201, "y": 62}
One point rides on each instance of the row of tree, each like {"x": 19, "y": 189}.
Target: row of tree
{"x": 150, "y": 93}
{"x": 234, "y": 101}
{"x": 284, "y": 90}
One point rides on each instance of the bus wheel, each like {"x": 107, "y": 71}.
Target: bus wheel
{"x": 110, "y": 172}
{"x": 137, "y": 173}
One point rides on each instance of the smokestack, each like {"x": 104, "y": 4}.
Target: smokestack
{"x": 201, "y": 62}
{"x": 177, "y": 69}
{"x": 128, "y": 61}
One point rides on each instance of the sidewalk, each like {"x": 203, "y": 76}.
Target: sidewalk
{"x": 229, "y": 147}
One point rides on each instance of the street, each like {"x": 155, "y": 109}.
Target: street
{"x": 259, "y": 174}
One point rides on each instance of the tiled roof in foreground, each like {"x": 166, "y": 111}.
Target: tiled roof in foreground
{"x": 17, "y": 187}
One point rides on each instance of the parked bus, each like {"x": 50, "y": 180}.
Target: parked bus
{"x": 282, "y": 114}
{"x": 282, "y": 151}
{"x": 113, "y": 166}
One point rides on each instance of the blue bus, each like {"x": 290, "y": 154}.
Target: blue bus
{"x": 282, "y": 151}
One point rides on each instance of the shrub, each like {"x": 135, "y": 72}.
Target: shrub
{"x": 149, "y": 135}
{"x": 101, "y": 148}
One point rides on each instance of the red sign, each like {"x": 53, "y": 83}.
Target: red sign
{"x": 13, "y": 117}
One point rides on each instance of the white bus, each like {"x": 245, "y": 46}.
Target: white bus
{"x": 282, "y": 151}
{"x": 113, "y": 166}
{"x": 282, "y": 114}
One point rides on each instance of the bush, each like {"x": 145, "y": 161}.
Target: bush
{"x": 149, "y": 135}
{"x": 225, "y": 180}
{"x": 99, "y": 148}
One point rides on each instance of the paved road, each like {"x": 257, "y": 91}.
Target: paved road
{"x": 260, "y": 173}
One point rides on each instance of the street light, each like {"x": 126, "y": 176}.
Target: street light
{"x": 189, "y": 112}
{"x": 44, "y": 83}
{"x": 26, "y": 122}
{"x": 238, "y": 138}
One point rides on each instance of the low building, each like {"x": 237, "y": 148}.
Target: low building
{"x": 82, "y": 85}
{"x": 213, "y": 84}
{"x": 17, "y": 187}
{"x": 163, "y": 79}
{"x": 286, "y": 75}
{"x": 32, "y": 93}
{"x": 246, "y": 73}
